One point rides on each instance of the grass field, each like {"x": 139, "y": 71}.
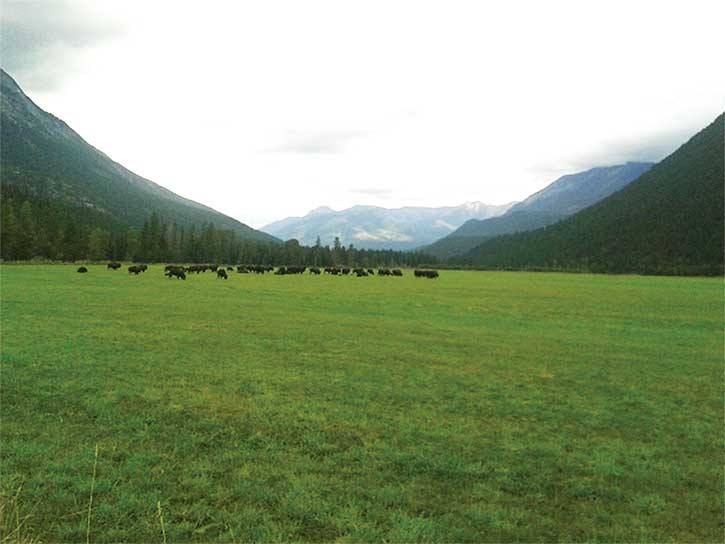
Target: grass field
{"x": 478, "y": 407}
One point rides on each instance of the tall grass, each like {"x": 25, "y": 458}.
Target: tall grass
{"x": 90, "y": 498}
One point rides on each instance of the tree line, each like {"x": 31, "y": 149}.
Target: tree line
{"x": 44, "y": 228}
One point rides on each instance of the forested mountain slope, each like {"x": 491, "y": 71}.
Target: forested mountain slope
{"x": 43, "y": 157}
{"x": 668, "y": 221}
{"x": 565, "y": 196}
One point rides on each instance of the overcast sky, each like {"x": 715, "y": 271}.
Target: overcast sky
{"x": 268, "y": 109}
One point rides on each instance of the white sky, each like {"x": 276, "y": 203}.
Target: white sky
{"x": 268, "y": 109}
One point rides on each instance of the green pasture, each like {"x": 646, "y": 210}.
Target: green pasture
{"x": 478, "y": 407}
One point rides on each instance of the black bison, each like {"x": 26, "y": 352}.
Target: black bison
{"x": 397, "y": 272}
{"x": 221, "y": 274}
{"x": 384, "y": 272}
{"x": 136, "y": 270}
{"x": 113, "y": 266}
{"x": 82, "y": 269}
{"x": 283, "y": 270}
{"x": 426, "y": 274}
{"x": 175, "y": 272}
{"x": 142, "y": 268}
{"x": 256, "y": 268}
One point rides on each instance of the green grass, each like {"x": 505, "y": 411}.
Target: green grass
{"x": 479, "y": 407}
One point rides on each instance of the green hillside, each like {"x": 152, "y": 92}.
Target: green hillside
{"x": 668, "y": 221}
{"x": 472, "y": 233}
{"x": 565, "y": 196}
{"x": 43, "y": 157}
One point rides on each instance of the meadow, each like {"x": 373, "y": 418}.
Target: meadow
{"x": 477, "y": 407}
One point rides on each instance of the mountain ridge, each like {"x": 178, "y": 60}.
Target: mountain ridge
{"x": 563, "y": 197}
{"x": 376, "y": 227}
{"x": 44, "y": 155}
{"x": 670, "y": 220}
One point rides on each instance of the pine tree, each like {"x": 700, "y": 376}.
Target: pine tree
{"x": 98, "y": 244}
{"x": 25, "y": 233}
{"x": 8, "y": 234}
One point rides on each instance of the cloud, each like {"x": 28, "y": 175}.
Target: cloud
{"x": 40, "y": 40}
{"x": 316, "y": 142}
{"x": 373, "y": 191}
{"x": 653, "y": 148}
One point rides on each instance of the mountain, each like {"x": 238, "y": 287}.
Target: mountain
{"x": 563, "y": 197}
{"x": 373, "y": 227}
{"x": 669, "y": 221}
{"x": 42, "y": 156}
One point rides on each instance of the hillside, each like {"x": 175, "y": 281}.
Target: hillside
{"x": 565, "y": 196}
{"x": 42, "y": 156}
{"x": 669, "y": 221}
{"x": 374, "y": 227}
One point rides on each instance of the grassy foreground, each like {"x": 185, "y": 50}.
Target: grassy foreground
{"x": 476, "y": 407}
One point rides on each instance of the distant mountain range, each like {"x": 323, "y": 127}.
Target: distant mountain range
{"x": 43, "y": 156}
{"x": 373, "y": 227}
{"x": 565, "y": 196}
{"x": 670, "y": 220}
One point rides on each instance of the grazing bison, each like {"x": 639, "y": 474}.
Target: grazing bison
{"x": 82, "y": 269}
{"x": 426, "y": 274}
{"x": 134, "y": 270}
{"x": 283, "y": 270}
{"x": 397, "y": 272}
{"x": 175, "y": 272}
{"x": 142, "y": 268}
{"x": 256, "y": 268}
{"x": 384, "y": 272}
{"x": 113, "y": 266}
{"x": 221, "y": 273}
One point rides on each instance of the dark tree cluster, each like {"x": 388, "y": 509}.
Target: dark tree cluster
{"x": 37, "y": 228}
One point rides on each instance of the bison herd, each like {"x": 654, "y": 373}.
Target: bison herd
{"x": 179, "y": 272}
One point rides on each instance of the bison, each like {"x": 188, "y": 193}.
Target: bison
{"x": 426, "y": 274}
{"x": 134, "y": 270}
{"x": 113, "y": 266}
{"x": 82, "y": 270}
{"x": 175, "y": 272}
{"x": 221, "y": 274}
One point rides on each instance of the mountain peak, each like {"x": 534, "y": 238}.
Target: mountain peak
{"x": 321, "y": 210}
{"x": 374, "y": 227}
{"x": 40, "y": 152}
